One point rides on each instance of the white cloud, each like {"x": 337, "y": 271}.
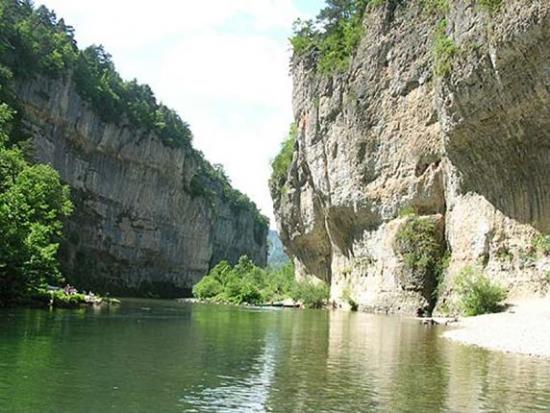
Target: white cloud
{"x": 222, "y": 64}
{"x": 228, "y": 67}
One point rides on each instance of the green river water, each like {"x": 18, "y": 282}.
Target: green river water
{"x": 165, "y": 356}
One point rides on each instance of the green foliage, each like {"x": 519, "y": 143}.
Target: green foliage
{"x": 444, "y": 51}
{"x": 281, "y": 163}
{"x": 504, "y": 254}
{"x": 34, "y": 42}
{"x": 58, "y": 298}
{"x": 333, "y": 36}
{"x": 208, "y": 287}
{"x": 478, "y": 294}
{"x": 377, "y": 3}
{"x": 407, "y": 211}
{"x": 418, "y": 242}
{"x": 346, "y": 296}
{"x": 436, "y": 6}
{"x": 490, "y": 5}
{"x": 312, "y": 295}
{"x": 247, "y": 283}
{"x": 541, "y": 244}
{"x": 279, "y": 283}
{"x": 33, "y": 203}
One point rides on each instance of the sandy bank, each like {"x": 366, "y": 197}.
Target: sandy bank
{"x": 523, "y": 328}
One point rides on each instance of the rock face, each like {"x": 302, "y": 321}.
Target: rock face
{"x": 468, "y": 150}
{"x": 138, "y": 226}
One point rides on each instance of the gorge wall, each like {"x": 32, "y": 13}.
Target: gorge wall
{"x": 140, "y": 224}
{"x": 464, "y": 152}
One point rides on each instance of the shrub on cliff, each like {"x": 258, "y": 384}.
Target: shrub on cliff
{"x": 491, "y": 5}
{"x": 333, "y": 36}
{"x": 478, "y": 294}
{"x": 418, "y": 242}
{"x": 33, "y": 203}
{"x": 541, "y": 244}
{"x": 281, "y": 163}
{"x": 444, "y": 50}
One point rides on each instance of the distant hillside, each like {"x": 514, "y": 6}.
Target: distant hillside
{"x": 276, "y": 255}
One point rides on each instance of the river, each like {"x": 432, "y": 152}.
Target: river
{"x": 165, "y": 356}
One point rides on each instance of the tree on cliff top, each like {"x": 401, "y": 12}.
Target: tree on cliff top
{"x": 33, "y": 42}
{"x": 333, "y": 36}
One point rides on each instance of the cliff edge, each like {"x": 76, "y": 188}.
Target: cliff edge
{"x": 429, "y": 154}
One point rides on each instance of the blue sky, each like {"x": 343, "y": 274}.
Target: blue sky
{"x": 222, "y": 64}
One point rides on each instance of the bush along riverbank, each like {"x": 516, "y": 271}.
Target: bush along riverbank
{"x": 246, "y": 283}
{"x": 67, "y": 297}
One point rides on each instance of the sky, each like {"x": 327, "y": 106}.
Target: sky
{"x": 223, "y": 65}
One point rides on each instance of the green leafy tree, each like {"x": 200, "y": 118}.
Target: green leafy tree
{"x": 33, "y": 203}
{"x": 332, "y": 37}
{"x": 247, "y": 283}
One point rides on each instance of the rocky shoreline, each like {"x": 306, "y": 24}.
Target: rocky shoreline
{"x": 521, "y": 329}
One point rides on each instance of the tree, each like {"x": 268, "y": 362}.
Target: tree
{"x": 33, "y": 204}
{"x": 333, "y": 36}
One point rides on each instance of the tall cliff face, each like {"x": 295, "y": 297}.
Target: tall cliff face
{"x": 467, "y": 150}
{"x": 139, "y": 226}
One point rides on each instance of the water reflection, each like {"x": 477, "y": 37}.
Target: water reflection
{"x": 169, "y": 357}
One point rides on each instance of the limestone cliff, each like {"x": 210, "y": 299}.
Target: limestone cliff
{"x": 467, "y": 150}
{"x": 140, "y": 225}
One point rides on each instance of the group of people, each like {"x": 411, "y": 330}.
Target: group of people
{"x": 70, "y": 290}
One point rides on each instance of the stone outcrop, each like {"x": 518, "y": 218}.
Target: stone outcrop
{"x": 139, "y": 227}
{"x": 468, "y": 149}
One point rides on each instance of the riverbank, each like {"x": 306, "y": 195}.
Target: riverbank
{"x": 522, "y": 328}
{"x": 59, "y": 298}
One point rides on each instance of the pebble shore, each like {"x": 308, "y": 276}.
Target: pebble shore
{"x": 523, "y": 328}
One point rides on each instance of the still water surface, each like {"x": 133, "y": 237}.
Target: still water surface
{"x": 164, "y": 356}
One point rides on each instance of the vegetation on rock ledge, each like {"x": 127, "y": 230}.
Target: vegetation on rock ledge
{"x": 211, "y": 181}
{"x": 491, "y": 5}
{"x": 281, "y": 163}
{"x": 444, "y": 51}
{"x": 333, "y": 36}
{"x": 541, "y": 244}
{"x": 418, "y": 242}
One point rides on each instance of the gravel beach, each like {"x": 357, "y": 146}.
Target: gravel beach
{"x": 523, "y": 328}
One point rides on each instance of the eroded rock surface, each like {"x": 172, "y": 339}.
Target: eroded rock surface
{"x": 138, "y": 226}
{"x": 388, "y": 136}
